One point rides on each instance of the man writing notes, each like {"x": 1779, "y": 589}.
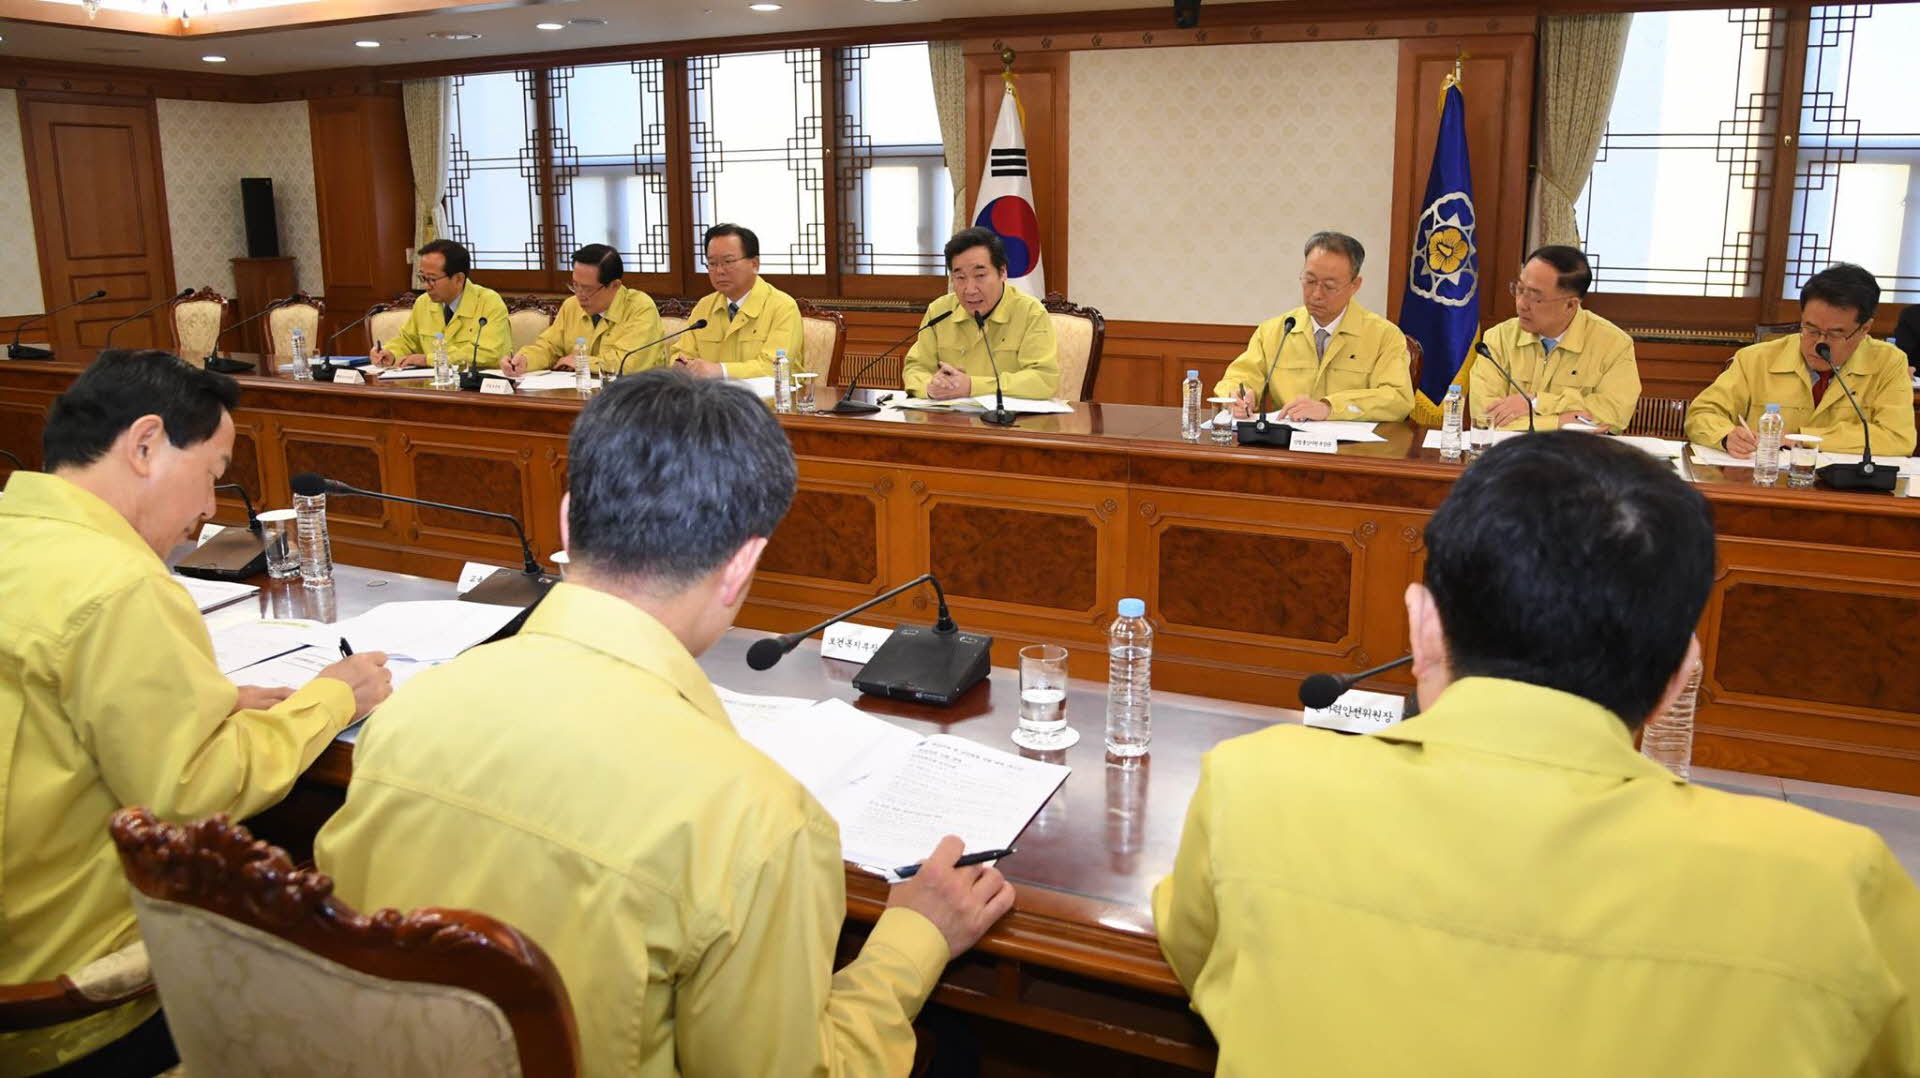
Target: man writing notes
{"x": 1340, "y": 361}
{"x": 689, "y": 890}
{"x": 1836, "y": 305}
{"x": 109, "y": 693}
{"x": 989, "y": 325}
{"x": 452, "y": 305}
{"x": 621, "y": 325}
{"x": 1569, "y": 365}
{"x": 1503, "y": 885}
{"x": 748, "y": 320}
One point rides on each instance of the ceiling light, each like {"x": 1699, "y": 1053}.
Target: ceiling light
{"x": 763, "y": 7}
{"x": 367, "y": 44}
{"x": 214, "y": 59}
{"x": 453, "y": 35}
{"x": 589, "y": 21}
{"x": 549, "y": 26}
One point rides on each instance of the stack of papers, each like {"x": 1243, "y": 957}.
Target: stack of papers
{"x": 401, "y": 374}
{"x": 429, "y": 631}
{"x": 213, "y": 594}
{"x": 761, "y": 387}
{"x": 552, "y": 380}
{"x": 1492, "y": 437}
{"x": 1719, "y": 458}
{"x": 1663, "y": 448}
{"x": 894, "y": 793}
{"x": 242, "y": 644}
{"x": 1340, "y": 430}
{"x": 984, "y": 402}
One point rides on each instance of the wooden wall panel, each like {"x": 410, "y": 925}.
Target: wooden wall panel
{"x": 830, "y": 534}
{"x": 363, "y": 184}
{"x": 21, "y": 424}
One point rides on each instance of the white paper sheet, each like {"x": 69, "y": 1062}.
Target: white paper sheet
{"x": 761, "y": 387}
{"x": 552, "y": 380}
{"x": 1665, "y": 449}
{"x": 1720, "y": 458}
{"x": 1492, "y": 437}
{"x": 1024, "y": 406}
{"x": 248, "y": 642}
{"x": 213, "y": 594}
{"x": 945, "y": 786}
{"x": 428, "y": 631}
{"x": 403, "y": 374}
{"x": 296, "y": 668}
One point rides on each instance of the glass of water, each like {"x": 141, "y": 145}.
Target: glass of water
{"x": 1803, "y": 457}
{"x": 277, "y": 537}
{"x": 1222, "y": 426}
{"x": 803, "y": 401}
{"x": 1043, "y": 699}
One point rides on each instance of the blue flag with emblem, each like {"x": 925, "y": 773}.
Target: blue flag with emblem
{"x": 1441, "y": 308}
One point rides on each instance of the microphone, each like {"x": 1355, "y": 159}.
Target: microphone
{"x": 234, "y": 554}
{"x": 998, "y": 416}
{"x": 928, "y": 666}
{"x": 621, "y": 370}
{"x": 1481, "y": 348}
{"x": 847, "y": 405}
{"x": 108, "y": 343}
{"x": 1259, "y": 431}
{"x": 769, "y": 650}
{"x": 226, "y": 365}
{"x": 507, "y": 587}
{"x": 17, "y": 462}
{"x": 326, "y": 350}
{"x": 470, "y": 377}
{"x": 1865, "y": 475}
{"x": 16, "y": 350}
{"x": 1321, "y": 690}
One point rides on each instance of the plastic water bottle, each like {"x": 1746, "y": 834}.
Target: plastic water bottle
{"x": 316, "y": 548}
{"x": 1452, "y": 411}
{"x": 1129, "y": 681}
{"x": 782, "y": 382}
{"x": 1766, "y": 455}
{"x": 1190, "y": 407}
{"x": 442, "y": 366}
{"x": 1667, "y": 738}
{"x": 582, "y": 368}
{"x": 302, "y": 372}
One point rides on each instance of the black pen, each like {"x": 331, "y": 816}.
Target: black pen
{"x": 346, "y": 651}
{"x": 980, "y": 858}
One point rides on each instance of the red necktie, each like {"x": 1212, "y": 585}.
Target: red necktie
{"x": 1820, "y": 381}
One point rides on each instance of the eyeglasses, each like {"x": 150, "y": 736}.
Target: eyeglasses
{"x": 1831, "y": 336}
{"x": 582, "y": 291}
{"x": 1328, "y": 286}
{"x": 429, "y": 282}
{"x": 1533, "y": 295}
{"x": 725, "y": 263}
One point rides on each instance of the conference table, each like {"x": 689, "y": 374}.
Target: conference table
{"x": 1077, "y": 956}
{"x": 1259, "y": 567}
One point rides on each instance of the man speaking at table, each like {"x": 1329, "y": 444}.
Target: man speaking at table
{"x": 986, "y": 325}
{"x": 689, "y": 890}
{"x": 1503, "y": 885}
{"x": 109, "y": 693}
{"x": 451, "y": 305}
{"x": 1568, "y": 364}
{"x": 1339, "y": 360}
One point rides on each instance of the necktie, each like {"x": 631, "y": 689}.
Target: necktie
{"x": 732, "y": 309}
{"x": 1320, "y": 343}
{"x": 447, "y": 310}
{"x": 596, "y": 320}
{"x": 1820, "y": 381}
{"x": 1549, "y": 343}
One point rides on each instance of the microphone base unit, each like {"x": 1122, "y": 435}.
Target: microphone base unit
{"x": 511, "y": 587}
{"x": 1258, "y": 432}
{"x": 322, "y": 372}
{"x": 999, "y": 417}
{"x": 1855, "y": 476}
{"x": 28, "y": 351}
{"x": 234, "y": 555}
{"x": 228, "y": 365}
{"x": 470, "y": 380}
{"x": 927, "y": 667}
{"x": 849, "y": 406}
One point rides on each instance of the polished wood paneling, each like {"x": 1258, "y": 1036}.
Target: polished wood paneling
{"x": 21, "y": 423}
{"x": 256, "y": 283}
{"x": 99, "y": 214}
{"x": 1014, "y": 555}
{"x": 1246, "y": 582}
{"x": 458, "y": 474}
{"x": 363, "y": 189}
{"x": 1756, "y": 657}
{"x": 828, "y": 535}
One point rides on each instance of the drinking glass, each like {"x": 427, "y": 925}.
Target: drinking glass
{"x": 277, "y": 537}
{"x": 1043, "y": 699}
{"x": 1804, "y": 457}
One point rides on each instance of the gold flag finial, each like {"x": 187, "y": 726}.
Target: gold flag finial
{"x": 1006, "y": 59}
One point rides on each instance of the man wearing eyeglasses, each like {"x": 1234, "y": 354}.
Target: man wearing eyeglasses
{"x": 621, "y": 325}
{"x": 451, "y": 305}
{"x": 986, "y": 326}
{"x": 1341, "y": 361}
{"x": 1569, "y": 365}
{"x": 1836, "y": 305}
{"x": 748, "y": 320}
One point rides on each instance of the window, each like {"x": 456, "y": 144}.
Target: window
{"x": 610, "y": 162}
{"x": 756, "y": 154}
{"x": 494, "y": 186}
{"x": 896, "y": 195}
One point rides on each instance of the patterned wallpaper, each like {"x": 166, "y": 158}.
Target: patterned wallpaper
{"x": 206, "y": 147}
{"x": 20, "y": 270}
{"x": 1198, "y": 172}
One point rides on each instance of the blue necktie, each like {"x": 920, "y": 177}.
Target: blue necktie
{"x": 1549, "y": 343}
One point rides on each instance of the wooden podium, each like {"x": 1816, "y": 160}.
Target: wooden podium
{"x": 256, "y": 283}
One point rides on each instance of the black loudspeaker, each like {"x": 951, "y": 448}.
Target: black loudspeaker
{"x": 256, "y": 204}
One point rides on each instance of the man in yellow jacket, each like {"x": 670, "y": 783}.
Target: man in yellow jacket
{"x": 1836, "y": 307}
{"x": 1502, "y": 885}
{"x": 690, "y": 891}
{"x": 621, "y": 325}
{"x": 1568, "y": 364}
{"x": 451, "y": 305}
{"x": 748, "y": 320}
{"x": 109, "y": 693}
{"x": 1339, "y": 360}
{"x": 987, "y": 326}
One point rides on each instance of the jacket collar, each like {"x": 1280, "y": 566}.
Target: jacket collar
{"x": 616, "y": 628}
{"x": 1529, "y": 722}
{"x": 1573, "y": 338}
{"x": 50, "y": 497}
{"x": 751, "y": 304}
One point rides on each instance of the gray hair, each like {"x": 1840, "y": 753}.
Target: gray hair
{"x": 1338, "y": 243}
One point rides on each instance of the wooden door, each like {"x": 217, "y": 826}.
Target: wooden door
{"x": 100, "y": 213}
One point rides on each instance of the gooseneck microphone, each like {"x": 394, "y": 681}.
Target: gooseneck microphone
{"x": 470, "y": 375}
{"x": 226, "y": 365}
{"x": 16, "y": 350}
{"x": 925, "y": 665}
{"x": 18, "y": 464}
{"x": 998, "y": 414}
{"x": 847, "y": 405}
{"x": 1259, "y": 431}
{"x": 1481, "y": 348}
{"x": 1321, "y": 690}
{"x": 621, "y": 370}
{"x": 769, "y": 650}
{"x": 108, "y": 343}
{"x": 1865, "y": 475}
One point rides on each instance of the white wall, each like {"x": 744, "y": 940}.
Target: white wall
{"x": 20, "y": 268}
{"x": 1198, "y": 172}
{"x": 206, "y": 147}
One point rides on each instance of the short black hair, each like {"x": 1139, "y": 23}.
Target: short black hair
{"x": 119, "y": 388}
{"x": 455, "y": 254}
{"x": 669, "y": 474}
{"x": 1847, "y": 286}
{"x": 1338, "y": 243}
{"x": 603, "y": 258}
{"x": 749, "y": 243}
{"x": 1574, "y": 562}
{"x": 1570, "y": 264}
{"x": 968, "y": 238}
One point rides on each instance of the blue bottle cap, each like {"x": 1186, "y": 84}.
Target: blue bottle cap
{"x": 1773, "y": 407}
{"x": 1133, "y": 608}
{"x": 1193, "y": 374}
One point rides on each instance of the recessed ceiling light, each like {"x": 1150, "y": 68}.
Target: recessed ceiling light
{"x": 214, "y": 59}
{"x": 453, "y": 35}
{"x": 589, "y": 21}
{"x": 367, "y": 44}
{"x": 549, "y": 26}
{"x": 763, "y": 7}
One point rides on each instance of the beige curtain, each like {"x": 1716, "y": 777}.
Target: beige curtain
{"x": 950, "y": 99}
{"x": 426, "y": 107}
{"x": 1579, "y": 67}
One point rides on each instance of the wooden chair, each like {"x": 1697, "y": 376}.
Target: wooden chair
{"x": 529, "y": 316}
{"x": 1416, "y": 359}
{"x": 1659, "y": 417}
{"x": 675, "y": 313}
{"x": 301, "y": 312}
{"x": 100, "y": 985}
{"x": 1767, "y": 331}
{"x": 385, "y": 319}
{"x": 241, "y": 942}
{"x": 1081, "y": 332}
{"x": 823, "y": 338}
{"x": 196, "y": 322}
